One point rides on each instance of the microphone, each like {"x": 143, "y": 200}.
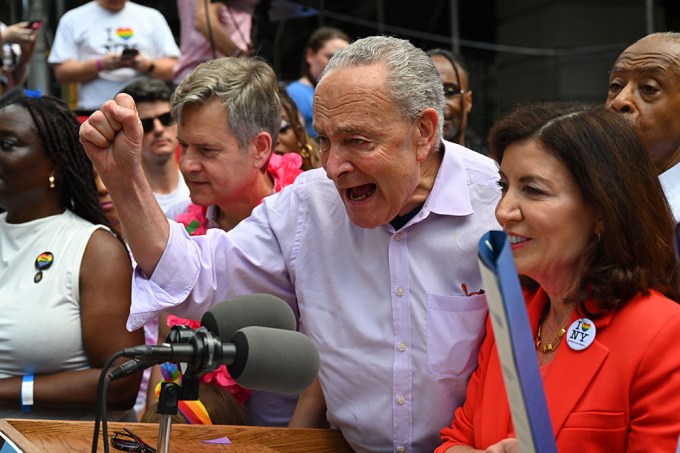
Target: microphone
{"x": 224, "y": 319}
{"x": 258, "y": 358}
{"x": 264, "y": 310}
{"x": 273, "y": 360}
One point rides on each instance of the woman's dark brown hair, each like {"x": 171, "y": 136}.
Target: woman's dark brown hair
{"x": 307, "y": 146}
{"x": 316, "y": 41}
{"x": 616, "y": 176}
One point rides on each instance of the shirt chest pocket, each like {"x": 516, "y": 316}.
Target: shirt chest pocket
{"x": 455, "y": 329}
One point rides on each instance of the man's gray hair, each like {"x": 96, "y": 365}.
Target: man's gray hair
{"x": 247, "y": 89}
{"x": 664, "y": 36}
{"x": 413, "y": 81}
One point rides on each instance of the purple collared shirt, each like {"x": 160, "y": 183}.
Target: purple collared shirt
{"x": 397, "y": 335}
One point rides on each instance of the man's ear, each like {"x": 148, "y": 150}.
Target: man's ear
{"x": 261, "y": 149}
{"x": 426, "y": 131}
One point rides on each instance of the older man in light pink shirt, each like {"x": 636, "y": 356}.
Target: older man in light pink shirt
{"x": 377, "y": 254}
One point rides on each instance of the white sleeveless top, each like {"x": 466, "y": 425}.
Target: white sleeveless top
{"x": 40, "y": 327}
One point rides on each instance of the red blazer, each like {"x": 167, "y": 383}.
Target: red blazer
{"x": 621, "y": 394}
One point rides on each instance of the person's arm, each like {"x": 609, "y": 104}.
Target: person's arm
{"x": 220, "y": 35}
{"x": 26, "y": 38}
{"x": 112, "y": 138}
{"x": 17, "y": 33}
{"x": 104, "y": 301}
{"x": 75, "y": 71}
{"x": 310, "y": 411}
{"x": 158, "y": 69}
{"x": 21, "y": 72}
{"x": 105, "y": 292}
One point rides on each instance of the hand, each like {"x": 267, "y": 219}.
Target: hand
{"x": 141, "y": 64}
{"x": 112, "y": 138}
{"x": 19, "y": 34}
{"x": 111, "y": 61}
{"x": 504, "y": 446}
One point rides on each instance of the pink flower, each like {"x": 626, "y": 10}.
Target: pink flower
{"x": 284, "y": 169}
{"x": 194, "y": 219}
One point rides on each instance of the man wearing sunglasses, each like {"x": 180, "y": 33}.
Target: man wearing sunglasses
{"x": 159, "y": 144}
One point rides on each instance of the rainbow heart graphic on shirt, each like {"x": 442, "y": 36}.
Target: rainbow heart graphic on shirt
{"x": 125, "y": 33}
{"x": 585, "y": 327}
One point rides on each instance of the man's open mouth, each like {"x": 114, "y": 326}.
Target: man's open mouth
{"x": 361, "y": 193}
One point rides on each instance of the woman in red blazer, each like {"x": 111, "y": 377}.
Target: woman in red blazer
{"x": 591, "y": 231}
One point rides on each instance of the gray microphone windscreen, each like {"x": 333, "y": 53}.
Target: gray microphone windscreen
{"x": 264, "y": 310}
{"x": 274, "y": 360}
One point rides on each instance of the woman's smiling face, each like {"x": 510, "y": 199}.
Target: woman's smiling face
{"x": 543, "y": 211}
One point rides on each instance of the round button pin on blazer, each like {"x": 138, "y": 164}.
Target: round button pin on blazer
{"x": 581, "y": 334}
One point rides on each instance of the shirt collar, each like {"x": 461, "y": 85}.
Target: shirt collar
{"x": 449, "y": 195}
{"x": 670, "y": 182}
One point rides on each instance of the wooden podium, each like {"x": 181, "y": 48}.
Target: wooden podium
{"x": 54, "y": 436}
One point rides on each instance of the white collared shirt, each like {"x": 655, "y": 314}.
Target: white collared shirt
{"x": 670, "y": 181}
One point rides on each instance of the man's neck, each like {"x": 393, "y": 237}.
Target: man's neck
{"x": 429, "y": 169}
{"x": 230, "y": 214}
{"x": 163, "y": 177}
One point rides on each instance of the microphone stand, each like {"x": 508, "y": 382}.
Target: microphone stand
{"x": 171, "y": 394}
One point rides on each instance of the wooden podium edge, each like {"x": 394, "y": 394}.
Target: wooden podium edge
{"x": 15, "y": 436}
{"x": 63, "y": 436}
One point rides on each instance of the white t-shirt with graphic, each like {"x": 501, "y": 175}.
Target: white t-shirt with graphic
{"x": 90, "y": 31}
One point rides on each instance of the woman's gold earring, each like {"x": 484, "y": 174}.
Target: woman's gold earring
{"x": 51, "y": 179}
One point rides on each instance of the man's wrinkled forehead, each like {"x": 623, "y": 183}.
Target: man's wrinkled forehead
{"x": 651, "y": 55}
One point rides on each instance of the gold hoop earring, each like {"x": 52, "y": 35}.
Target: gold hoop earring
{"x": 599, "y": 237}
{"x": 51, "y": 180}
{"x": 305, "y": 151}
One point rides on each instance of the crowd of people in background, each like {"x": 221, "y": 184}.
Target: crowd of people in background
{"x": 357, "y": 194}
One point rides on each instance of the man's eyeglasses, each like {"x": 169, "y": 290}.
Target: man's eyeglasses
{"x": 285, "y": 125}
{"x": 165, "y": 119}
{"x": 452, "y": 90}
{"x": 129, "y": 441}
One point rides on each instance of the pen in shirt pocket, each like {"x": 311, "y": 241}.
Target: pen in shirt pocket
{"x": 473, "y": 293}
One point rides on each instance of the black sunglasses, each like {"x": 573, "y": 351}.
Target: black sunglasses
{"x": 165, "y": 119}
{"x": 129, "y": 441}
{"x": 452, "y": 90}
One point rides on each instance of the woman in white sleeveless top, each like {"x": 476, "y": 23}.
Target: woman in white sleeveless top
{"x": 64, "y": 276}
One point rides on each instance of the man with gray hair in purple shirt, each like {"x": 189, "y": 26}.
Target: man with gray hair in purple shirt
{"x": 376, "y": 252}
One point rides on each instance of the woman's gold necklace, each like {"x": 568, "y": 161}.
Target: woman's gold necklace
{"x": 549, "y": 347}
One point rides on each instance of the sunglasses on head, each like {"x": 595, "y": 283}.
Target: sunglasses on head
{"x": 165, "y": 119}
